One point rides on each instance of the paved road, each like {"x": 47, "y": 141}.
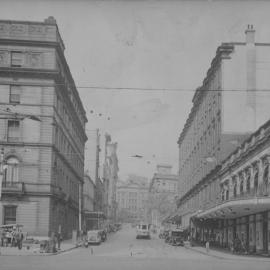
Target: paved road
{"x": 123, "y": 251}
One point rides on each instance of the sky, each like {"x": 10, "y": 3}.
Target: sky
{"x": 162, "y": 45}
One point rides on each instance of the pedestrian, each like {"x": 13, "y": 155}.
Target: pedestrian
{"x": 19, "y": 239}
{"x": 59, "y": 239}
{"x": 207, "y": 246}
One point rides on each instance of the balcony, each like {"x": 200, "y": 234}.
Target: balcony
{"x": 12, "y": 188}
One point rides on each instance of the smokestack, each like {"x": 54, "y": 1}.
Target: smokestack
{"x": 250, "y": 34}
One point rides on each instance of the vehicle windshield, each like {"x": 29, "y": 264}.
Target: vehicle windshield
{"x": 175, "y": 233}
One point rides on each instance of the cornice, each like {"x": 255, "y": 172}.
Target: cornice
{"x": 222, "y": 52}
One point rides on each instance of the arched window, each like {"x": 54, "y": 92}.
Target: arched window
{"x": 256, "y": 180}
{"x": 248, "y": 182}
{"x": 265, "y": 176}
{"x": 241, "y": 187}
{"x": 12, "y": 171}
{"x": 227, "y": 194}
{"x": 235, "y": 189}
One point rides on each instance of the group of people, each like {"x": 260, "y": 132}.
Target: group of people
{"x": 13, "y": 237}
{"x": 238, "y": 245}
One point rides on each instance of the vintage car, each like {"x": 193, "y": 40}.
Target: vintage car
{"x": 94, "y": 237}
{"x": 143, "y": 231}
{"x": 176, "y": 237}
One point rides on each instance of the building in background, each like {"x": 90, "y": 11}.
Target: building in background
{"x": 163, "y": 190}
{"x": 132, "y": 199}
{"x": 44, "y": 160}
{"x": 110, "y": 177}
{"x": 228, "y": 106}
{"x": 88, "y": 207}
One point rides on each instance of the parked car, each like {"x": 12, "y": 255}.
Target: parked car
{"x": 177, "y": 237}
{"x": 94, "y": 237}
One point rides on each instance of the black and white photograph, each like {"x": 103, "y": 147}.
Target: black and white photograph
{"x": 134, "y": 134}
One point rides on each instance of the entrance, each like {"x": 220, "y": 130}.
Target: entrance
{"x": 265, "y": 232}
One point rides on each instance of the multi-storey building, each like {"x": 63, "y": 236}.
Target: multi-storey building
{"x": 132, "y": 199}
{"x": 238, "y": 205}
{"x": 163, "y": 190}
{"x": 45, "y": 159}
{"x": 228, "y": 106}
{"x": 110, "y": 177}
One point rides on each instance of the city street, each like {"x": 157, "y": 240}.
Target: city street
{"x": 123, "y": 251}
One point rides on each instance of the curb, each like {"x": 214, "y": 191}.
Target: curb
{"x": 234, "y": 257}
{"x": 44, "y": 254}
{"x": 205, "y": 253}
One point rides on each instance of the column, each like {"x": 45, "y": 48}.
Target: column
{"x": 230, "y": 186}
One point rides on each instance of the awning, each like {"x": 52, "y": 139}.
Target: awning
{"x": 236, "y": 208}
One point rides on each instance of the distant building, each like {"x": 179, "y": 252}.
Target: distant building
{"x": 45, "y": 159}
{"x": 88, "y": 205}
{"x": 99, "y": 196}
{"x": 132, "y": 199}
{"x": 110, "y": 177}
{"x": 163, "y": 190}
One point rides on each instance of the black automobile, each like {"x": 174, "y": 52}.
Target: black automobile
{"x": 177, "y": 237}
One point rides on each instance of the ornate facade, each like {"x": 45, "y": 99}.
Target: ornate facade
{"x": 241, "y": 204}
{"x": 45, "y": 159}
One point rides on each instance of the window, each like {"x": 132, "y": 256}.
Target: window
{"x": 10, "y": 214}
{"x": 248, "y": 182}
{"x": 13, "y": 130}
{"x": 265, "y": 176}
{"x": 12, "y": 172}
{"x": 241, "y": 187}
{"x": 14, "y": 94}
{"x": 235, "y": 190}
{"x": 16, "y": 59}
{"x": 256, "y": 180}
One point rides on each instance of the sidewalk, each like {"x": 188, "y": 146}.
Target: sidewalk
{"x": 226, "y": 254}
{"x": 34, "y": 250}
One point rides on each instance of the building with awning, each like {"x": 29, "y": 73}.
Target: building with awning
{"x": 224, "y": 148}
{"x": 239, "y": 205}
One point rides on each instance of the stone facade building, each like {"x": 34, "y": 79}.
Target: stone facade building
{"x": 163, "y": 190}
{"x": 132, "y": 199}
{"x": 226, "y": 109}
{"x": 110, "y": 178}
{"x": 45, "y": 159}
{"x": 238, "y": 205}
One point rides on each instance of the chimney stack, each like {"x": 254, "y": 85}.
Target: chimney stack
{"x": 250, "y": 34}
